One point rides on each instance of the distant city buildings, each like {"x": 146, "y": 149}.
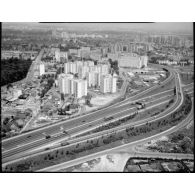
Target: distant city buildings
{"x": 173, "y": 40}
{"x": 66, "y": 35}
{"x": 130, "y": 47}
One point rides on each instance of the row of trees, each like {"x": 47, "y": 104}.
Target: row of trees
{"x": 113, "y": 124}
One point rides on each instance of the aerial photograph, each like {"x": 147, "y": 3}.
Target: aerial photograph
{"x": 97, "y": 97}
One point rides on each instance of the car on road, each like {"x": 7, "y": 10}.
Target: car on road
{"x": 29, "y": 136}
{"x": 108, "y": 118}
{"x": 48, "y": 136}
{"x": 65, "y": 132}
{"x": 64, "y": 144}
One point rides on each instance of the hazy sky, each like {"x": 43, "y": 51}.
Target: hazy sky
{"x": 183, "y": 27}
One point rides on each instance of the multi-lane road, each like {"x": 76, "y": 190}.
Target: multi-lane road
{"x": 127, "y": 148}
{"x": 11, "y": 153}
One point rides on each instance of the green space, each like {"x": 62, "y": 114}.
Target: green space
{"x": 13, "y": 70}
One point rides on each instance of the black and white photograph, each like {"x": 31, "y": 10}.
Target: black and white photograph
{"x": 97, "y": 97}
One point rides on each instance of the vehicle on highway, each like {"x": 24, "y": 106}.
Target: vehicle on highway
{"x": 48, "y": 136}
{"x": 64, "y": 144}
{"x": 108, "y": 118}
{"x": 47, "y": 148}
{"x": 65, "y": 132}
{"x": 140, "y": 105}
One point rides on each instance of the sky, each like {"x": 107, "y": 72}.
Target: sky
{"x": 173, "y": 27}
{"x": 181, "y": 27}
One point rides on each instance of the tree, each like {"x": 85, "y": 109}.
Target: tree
{"x": 114, "y": 65}
{"x": 88, "y": 99}
{"x": 6, "y": 120}
{"x": 76, "y": 75}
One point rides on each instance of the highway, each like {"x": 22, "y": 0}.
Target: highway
{"x": 27, "y": 141}
{"x": 83, "y": 128}
{"x": 79, "y": 122}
